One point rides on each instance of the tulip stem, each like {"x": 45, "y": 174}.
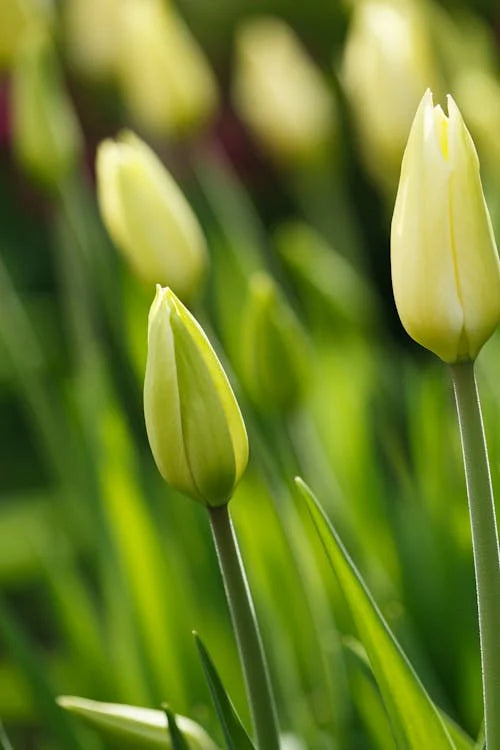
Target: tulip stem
{"x": 245, "y": 625}
{"x": 484, "y": 540}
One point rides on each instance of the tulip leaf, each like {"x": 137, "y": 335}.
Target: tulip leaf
{"x": 234, "y": 733}
{"x": 132, "y": 727}
{"x": 415, "y": 720}
{"x": 177, "y": 738}
{"x": 460, "y": 738}
{"x": 4, "y": 740}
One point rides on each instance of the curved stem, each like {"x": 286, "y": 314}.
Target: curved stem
{"x": 245, "y": 626}
{"x": 484, "y": 540}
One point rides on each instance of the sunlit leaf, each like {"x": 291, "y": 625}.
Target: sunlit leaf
{"x": 415, "y": 720}
{"x": 133, "y": 727}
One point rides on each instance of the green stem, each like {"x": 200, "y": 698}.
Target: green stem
{"x": 484, "y": 540}
{"x": 245, "y": 625}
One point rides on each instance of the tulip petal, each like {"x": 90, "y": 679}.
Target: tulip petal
{"x": 207, "y": 440}
{"x": 423, "y": 270}
{"x": 476, "y": 255}
{"x": 161, "y": 399}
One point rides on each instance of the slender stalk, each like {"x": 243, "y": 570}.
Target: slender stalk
{"x": 484, "y": 540}
{"x": 245, "y": 625}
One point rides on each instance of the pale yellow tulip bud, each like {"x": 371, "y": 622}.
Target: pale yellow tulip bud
{"x": 386, "y": 68}
{"x": 46, "y": 133}
{"x": 445, "y": 267}
{"x": 167, "y": 82}
{"x": 478, "y": 94}
{"x": 194, "y": 424}
{"x": 148, "y": 217}
{"x": 280, "y": 93}
{"x": 91, "y": 35}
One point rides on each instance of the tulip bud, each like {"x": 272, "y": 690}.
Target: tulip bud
{"x": 279, "y": 92}
{"x": 90, "y": 34}
{"x": 274, "y": 347}
{"x": 478, "y": 94}
{"x": 17, "y": 19}
{"x": 166, "y": 79}
{"x": 148, "y": 217}
{"x": 445, "y": 267}
{"x": 47, "y": 136}
{"x": 195, "y": 428}
{"x": 387, "y": 66}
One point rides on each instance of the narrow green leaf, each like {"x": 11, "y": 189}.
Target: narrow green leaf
{"x": 4, "y": 740}
{"x": 132, "y": 727}
{"x": 234, "y": 732}
{"x": 415, "y": 720}
{"x": 460, "y": 738}
{"x": 177, "y": 738}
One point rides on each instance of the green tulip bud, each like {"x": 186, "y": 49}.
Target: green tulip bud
{"x": 148, "y": 217}
{"x": 47, "y": 136}
{"x": 132, "y": 727}
{"x": 274, "y": 347}
{"x": 280, "y": 93}
{"x": 194, "y": 424}
{"x": 445, "y": 266}
{"x": 17, "y": 19}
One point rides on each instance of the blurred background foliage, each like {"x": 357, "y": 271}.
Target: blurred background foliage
{"x": 284, "y": 123}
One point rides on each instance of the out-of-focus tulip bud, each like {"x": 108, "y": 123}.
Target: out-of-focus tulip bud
{"x": 386, "y": 68}
{"x": 131, "y": 726}
{"x": 46, "y": 133}
{"x": 148, "y": 217}
{"x": 280, "y": 93}
{"x": 17, "y": 18}
{"x": 194, "y": 424}
{"x": 92, "y": 35}
{"x": 445, "y": 267}
{"x": 478, "y": 94}
{"x": 274, "y": 347}
{"x": 166, "y": 79}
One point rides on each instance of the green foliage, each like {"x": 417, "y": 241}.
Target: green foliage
{"x": 234, "y": 732}
{"x": 177, "y": 738}
{"x": 415, "y": 720}
{"x": 105, "y": 570}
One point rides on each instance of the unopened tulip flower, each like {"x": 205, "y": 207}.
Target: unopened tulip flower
{"x": 46, "y": 133}
{"x": 280, "y": 93}
{"x": 165, "y": 77}
{"x": 148, "y": 217}
{"x": 17, "y": 19}
{"x": 387, "y": 65}
{"x": 194, "y": 424}
{"x": 91, "y": 36}
{"x": 445, "y": 266}
{"x": 274, "y": 347}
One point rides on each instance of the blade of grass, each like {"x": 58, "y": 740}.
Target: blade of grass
{"x": 234, "y": 732}
{"x": 415, "y": 720}
{"x": 177, "y": 738}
